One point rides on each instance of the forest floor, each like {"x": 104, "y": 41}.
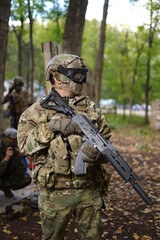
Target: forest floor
{"x": 127, "y": 217}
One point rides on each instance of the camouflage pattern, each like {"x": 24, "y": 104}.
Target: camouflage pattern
{"x": 18, "y": 103}
{"x": 60, "y": 188}
{"x": 18, "y": 81}
{"x": 67, "y": 61}
{"x": 57, "y": 208}
{"x": 12, "y": 172}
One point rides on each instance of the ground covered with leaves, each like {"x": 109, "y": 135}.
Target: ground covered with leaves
{"x": 127, "y": 217}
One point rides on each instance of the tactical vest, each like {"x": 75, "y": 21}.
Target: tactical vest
{"x": 55, "y": 165}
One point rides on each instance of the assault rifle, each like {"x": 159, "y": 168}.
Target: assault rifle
{"x": 94, "y": 138}
{"x": 13, "y": 111}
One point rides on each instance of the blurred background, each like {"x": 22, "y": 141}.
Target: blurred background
{"x": 119, "y": 41}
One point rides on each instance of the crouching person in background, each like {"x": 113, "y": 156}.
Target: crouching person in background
{"x": 12, "y": 170}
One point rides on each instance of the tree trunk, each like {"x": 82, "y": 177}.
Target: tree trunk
{"x": 19, "y": 40}
{"x": 73, "y": 32}
{"x": 147, "y": 89}
{"x": 50, "y": 49}
{"x": 139, "y": 52}
{"x": 89, "y": 87}
{"x": 31, "y": 58}
{"x": 99, "y": 58}
{"x": 4, "y": 18}
{"x": 18, "y": 32}
{"x": 123, "y": 72}
{"x": 20, "y": 43}
{"x": 20, "y": 56}
{"x": 123, "y": 94}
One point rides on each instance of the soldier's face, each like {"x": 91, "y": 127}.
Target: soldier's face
{"x": 18, "y": 88}
{"x": 75, "y": 88}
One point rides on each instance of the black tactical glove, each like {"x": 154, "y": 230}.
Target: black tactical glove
{"x": 11, "y": 89}
{"x": 66, "y": 126}
{"x": 91, "y": 154}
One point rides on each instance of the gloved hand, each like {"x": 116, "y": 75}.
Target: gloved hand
{"x": 11, "y": 89}
{"x": 9, "y": 154}
{"x": 66, "y": 126}
{"x": 91, "y": 154}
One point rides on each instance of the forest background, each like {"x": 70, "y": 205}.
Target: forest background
{"x": 131, "y": 59}
{"x": 123, "y": 65}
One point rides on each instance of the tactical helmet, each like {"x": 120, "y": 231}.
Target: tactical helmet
{"x": 18, "y": 81}
{"x": 9, "y": 137}
{"x": 68, "y": 67}
{"x": 10, "y": 133}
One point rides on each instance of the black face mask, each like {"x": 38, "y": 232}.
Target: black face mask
{"x": 77, "y": 75}
{"x": 18, "y": 88}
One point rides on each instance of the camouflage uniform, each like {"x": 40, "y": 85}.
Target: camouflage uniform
{"x": 12, "y": 173}
{"x": 61, "y": 191}
{"x": 18, "y": 102}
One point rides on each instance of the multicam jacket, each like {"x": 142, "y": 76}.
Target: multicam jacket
{"x": 54, "y": 162}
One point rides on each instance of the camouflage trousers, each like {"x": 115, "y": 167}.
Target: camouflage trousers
{"x": 15, "y": 183}
{"x": 58, "y": 207}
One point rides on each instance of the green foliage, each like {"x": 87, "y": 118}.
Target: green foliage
{"x": 134, "y": 127}
{"x": 143, "y": 147}
{"x": 12, "y": 54}
{"x": 90, "y": 42}
{"x": 116, "y": 121}
{"x": 133, "y": 1}
{"x": 55, "y": 10}
{"x": 119, "y": 64}
{"x": 119, "y": 55}
{"x": 145, "y": 131}
{"x": 43, "y": 31}
{"x": 18, "y": 10}
{"x": 56, "y": 14}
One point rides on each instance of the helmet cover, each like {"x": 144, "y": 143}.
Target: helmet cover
{"x": 18, "y": 81}
{"x": 9, "y": 137}
{"x": 68, "y": 66}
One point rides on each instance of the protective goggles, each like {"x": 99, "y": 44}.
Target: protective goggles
{"x": 77, "y": 75}
{"x": 11, "y": 140}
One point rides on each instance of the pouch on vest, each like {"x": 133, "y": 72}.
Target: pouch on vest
{"x": 62, "y": 161}
{"x": 46, "y": 177}
{"x": 75, "y": 142}
{"x": 39, "y": 161}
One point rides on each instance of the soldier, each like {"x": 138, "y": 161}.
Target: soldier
{"x": 54, "y": 139}
{"x": 18, "y": 101}
{"x": 12, "y": 171}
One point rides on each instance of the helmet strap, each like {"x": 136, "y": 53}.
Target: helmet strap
{"x": 51, "y": 78}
